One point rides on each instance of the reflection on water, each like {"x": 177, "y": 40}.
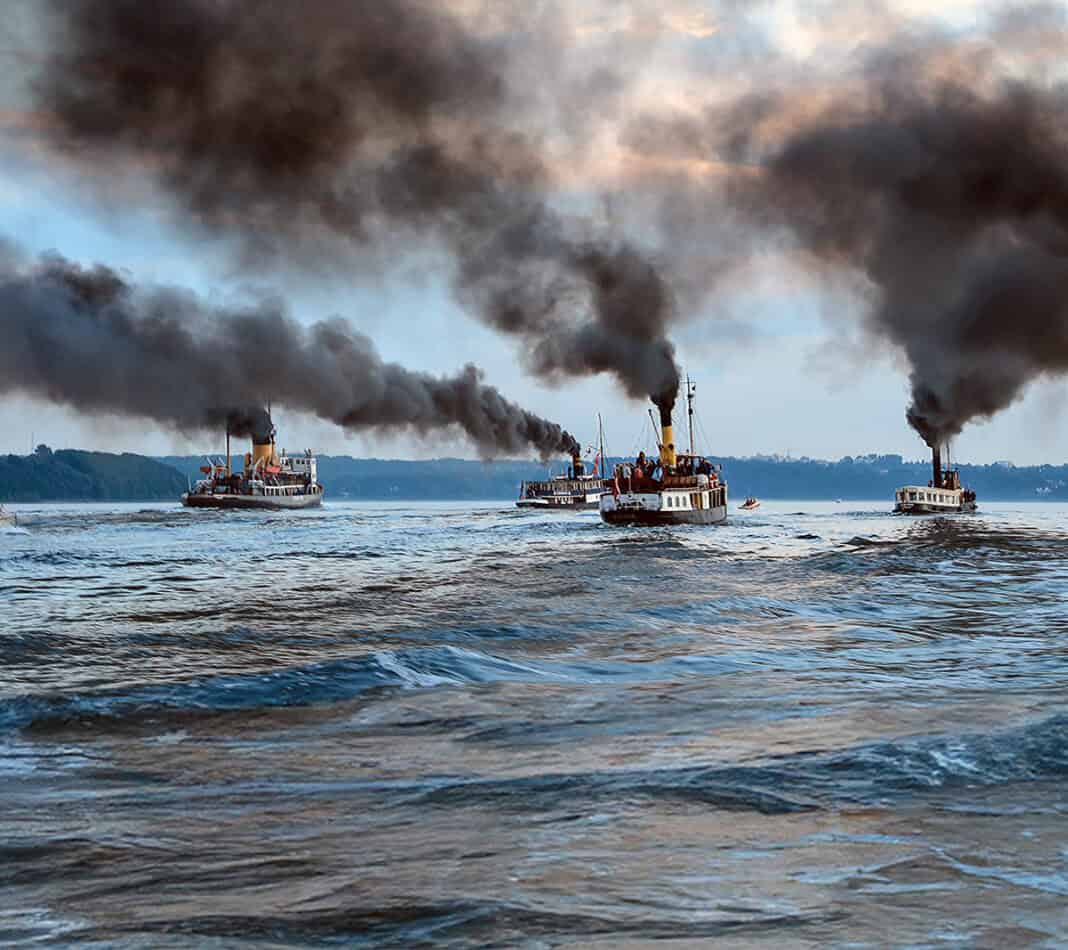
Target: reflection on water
{"x": 403, "y": 725}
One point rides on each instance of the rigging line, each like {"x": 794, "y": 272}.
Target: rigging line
{"x": 640, "y": 438}
{"x": 705, "y": 441}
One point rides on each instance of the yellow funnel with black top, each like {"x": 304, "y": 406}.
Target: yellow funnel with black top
{"x": 667, "y": 439}
{"x": 263, "y": 455}
{"x": 263, "y": 452}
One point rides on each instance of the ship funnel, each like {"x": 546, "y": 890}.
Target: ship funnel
{"x": 667, "y": 439}
{"x": 576, "y": 463}
{"x": 936, "y": 465}
{"x": 263, "y": 451}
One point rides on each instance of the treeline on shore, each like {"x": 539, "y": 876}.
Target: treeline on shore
{"x": 72, "y": 475}
{"x": 849, "y": 478}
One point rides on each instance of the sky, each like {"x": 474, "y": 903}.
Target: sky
{"x": 780, "y": 361}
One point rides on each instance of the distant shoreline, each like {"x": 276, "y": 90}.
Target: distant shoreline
{"x": 73, "y": 476}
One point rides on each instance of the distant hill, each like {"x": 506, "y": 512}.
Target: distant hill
{"x": 862, "y": 478}
{"x": 72, "y": 475}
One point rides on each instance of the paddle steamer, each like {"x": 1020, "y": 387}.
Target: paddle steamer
{"x": 575, "y": 490}
{"x": 943, "y": 494}
{"x": 680, "y": 488}
{"x": 270, "y": 480}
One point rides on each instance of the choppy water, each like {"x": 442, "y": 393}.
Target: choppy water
{"x": 399, "y": 725}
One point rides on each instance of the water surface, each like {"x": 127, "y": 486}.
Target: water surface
{"x": 404, "y": 725}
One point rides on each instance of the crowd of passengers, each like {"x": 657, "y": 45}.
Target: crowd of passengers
{"x": 687, "y": 465}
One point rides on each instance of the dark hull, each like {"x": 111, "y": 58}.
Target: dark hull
{"x": 919, "y": 508}
{"x": 253, "y": 502}
{"x": 629, "y": 516}
{"x": 925, "y": 508}
{"x": 932, "y": 509}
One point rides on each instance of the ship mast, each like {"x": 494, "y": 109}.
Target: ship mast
{"x": 691, "y": 389}
{"x": 600, "y": 441}
{"x": 659, "y": 436}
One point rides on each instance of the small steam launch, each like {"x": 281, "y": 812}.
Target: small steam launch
{"x": 679, "y": 488}
{"x": 269, "y": 480}
{"x": 943, "y": 494}
{"x": 575, "y": 490}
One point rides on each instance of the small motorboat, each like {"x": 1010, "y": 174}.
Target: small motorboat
{"x": 750, "y": 504}
{"x": 7, "y": 518}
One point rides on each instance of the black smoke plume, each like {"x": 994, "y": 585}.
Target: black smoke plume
{"x": 353, "y": 131}
{"x": 944, "y": 182}
{"x": 254, "y": 422}
{"x": 955, "y": 204}
{"x": 88, "y": 339}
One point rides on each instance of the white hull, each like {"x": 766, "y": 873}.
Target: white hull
{"x": 671, "y": 506}
{"x": 587, "y": 502}
{"x": 924, "y": 500}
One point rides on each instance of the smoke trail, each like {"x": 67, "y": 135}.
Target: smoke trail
{"x": 86, "y": 338}
{"x": 939, "y": 172}
{"x": 958, "y": 211}
{"x": 355, "y": 130}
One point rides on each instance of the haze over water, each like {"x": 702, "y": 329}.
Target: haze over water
{"x": 414, "y": 724}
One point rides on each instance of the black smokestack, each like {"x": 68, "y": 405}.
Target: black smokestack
{"x": 936, "y": 465}
{"x": 88, "y": 339}
{"x": 347, "y": 130}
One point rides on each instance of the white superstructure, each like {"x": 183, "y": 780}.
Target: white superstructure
{"x": 923, "y": 499}
{"x": 943, "y": 494}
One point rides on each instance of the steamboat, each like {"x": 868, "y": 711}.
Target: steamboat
{"x": 942, "y": 495}
{"x": 679, "y": 488}
{"x": 575, "y": 490}
{"x": 270, "y": 480}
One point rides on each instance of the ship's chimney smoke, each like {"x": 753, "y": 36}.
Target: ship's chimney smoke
{"x": 254, "y": 423}
{"x": 334, "y": 134}
{"x": 929, "y": 173}
{"x": 936, "y": 466}
{"x": 88, "y": 339}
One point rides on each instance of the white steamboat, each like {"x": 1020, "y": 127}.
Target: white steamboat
{"x": 943, "y": 494}
{"x": 575, "y": 490}
{"x": 682, "y": 488}
{"x": 270, "y": 480}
